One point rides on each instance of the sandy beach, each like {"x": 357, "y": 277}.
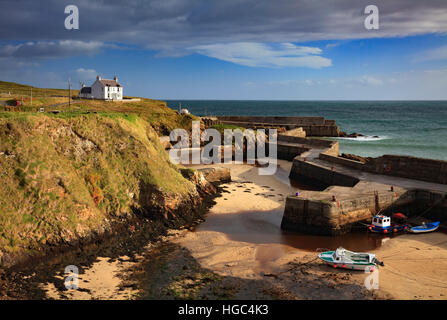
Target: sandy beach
{"x": 242, "y": 249}
{"x": 241, "y": 238}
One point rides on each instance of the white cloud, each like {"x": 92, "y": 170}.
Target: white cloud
{"x": 309, "y": 82}
{"x": 86, "y": 74}
{"x": 171, "y": 26}
{"x": 370, "y": 80}
{"x": 52, "y": 49}
{"x": 332, "y": 45}
{"x": 432, "y": 55}
{"x": 408, "y": 85}
{"x": 262, "y": 55}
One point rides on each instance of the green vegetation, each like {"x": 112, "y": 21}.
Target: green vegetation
{"x": 221, "y": 127}
{"x": 162, "y": 118}
{"x": 20, "y": 89}
{"x": 64, "y": 174}
{"x": 155, "y": 112}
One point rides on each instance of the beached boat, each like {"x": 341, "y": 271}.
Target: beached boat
{"x": 383, "y": 224}
{"x": 345, "y": 259}
{"x": 429, "y": 227}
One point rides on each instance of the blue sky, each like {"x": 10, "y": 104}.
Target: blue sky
{"x": 203, "y": 50}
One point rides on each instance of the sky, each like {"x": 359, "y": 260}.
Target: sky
{"x": 231, "y": 49}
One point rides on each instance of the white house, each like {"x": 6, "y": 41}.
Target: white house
{"x": 103, "y": 89}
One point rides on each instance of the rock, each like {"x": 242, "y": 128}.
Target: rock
{"x": 203, "y": 185}
{"x": 355, "y": 135}
{"x": 351, "y": 135}
{"x": 165, "y": 142}
{"x": 216, "y": 175}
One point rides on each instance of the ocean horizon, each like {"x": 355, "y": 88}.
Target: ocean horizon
{"x": 403, "y": 127}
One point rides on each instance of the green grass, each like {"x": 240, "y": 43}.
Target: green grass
{"x": 65, "y": 173}
{"x": 20, "y": 89}
{"x": 222, "y": 127}
{"x": 162, "y": 118}
{"x": 155, "y": 112}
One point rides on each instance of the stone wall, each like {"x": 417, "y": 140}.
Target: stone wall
{"x": 409, "y": 167}
{"x": 343, "y": 161}
{"x": 337, "y": 217}
{"x": 399, "y": 166}
{"x": 334, "y": 149}
{"x": 319, "y": 176}
{"x": 322, "y": 130}
{"x": 297, "y": 132}
{"x": 275, "y": 120}
{"x": 313, "y": 126}
{"x": 311, "y": 142}
{"x": 289, "y": 152}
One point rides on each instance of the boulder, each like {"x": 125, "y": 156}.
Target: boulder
{"x": 216, "y": 175}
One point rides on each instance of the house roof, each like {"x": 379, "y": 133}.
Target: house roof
{"x": 110, "y": 83}
{"x": 86, "y": 90}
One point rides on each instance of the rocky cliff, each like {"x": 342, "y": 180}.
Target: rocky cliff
{"x": 71, "y": 178}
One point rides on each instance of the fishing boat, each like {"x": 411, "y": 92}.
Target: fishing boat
{"x": 429, "y": 227}
{"x": 345, "y": 259}
{"x": 384, "y": 224}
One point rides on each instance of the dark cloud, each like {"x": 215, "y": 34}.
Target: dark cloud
{"x": 174, "y": 26}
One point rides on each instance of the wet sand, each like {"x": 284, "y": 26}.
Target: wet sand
{"x": 241, "y": 237}
{"x": 415, "y": 266}
{"x": 240, "y": 252}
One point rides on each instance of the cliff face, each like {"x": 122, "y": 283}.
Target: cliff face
{"x": 69, "y": 178}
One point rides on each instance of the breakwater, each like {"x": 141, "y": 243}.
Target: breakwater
{"x": 334, "y": 217}
{"x": 397, "y": 165}
{"x": 313, "y": 126}
{"x": 352, "y": 191}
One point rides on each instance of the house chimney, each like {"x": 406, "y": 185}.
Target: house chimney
{"x": 115, "y": 78}
{"x": 98, "y": 77}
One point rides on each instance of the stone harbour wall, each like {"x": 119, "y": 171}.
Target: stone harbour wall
{"x": 409, "y": 167}
{"x": 327, "y": 217}
{"x": 313, "y": 126}
{"x": 319, "y": 176}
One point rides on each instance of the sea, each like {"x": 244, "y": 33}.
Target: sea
{"x": 415, "y": 128}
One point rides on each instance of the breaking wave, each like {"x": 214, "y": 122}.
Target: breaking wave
{"x": 364, "y": 138}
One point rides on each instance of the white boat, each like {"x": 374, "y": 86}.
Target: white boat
{"x": 345, "y": 259}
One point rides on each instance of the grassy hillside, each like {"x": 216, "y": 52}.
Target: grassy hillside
{"x": 61, "y": 177}
{"x": 155, "y": 112}
{"x": 69, "y": 174}
{"x": 21, "y": 89}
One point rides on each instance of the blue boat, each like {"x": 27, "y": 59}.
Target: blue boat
{"x": 383, "y": 224}
{"x": 429, "y": 227}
